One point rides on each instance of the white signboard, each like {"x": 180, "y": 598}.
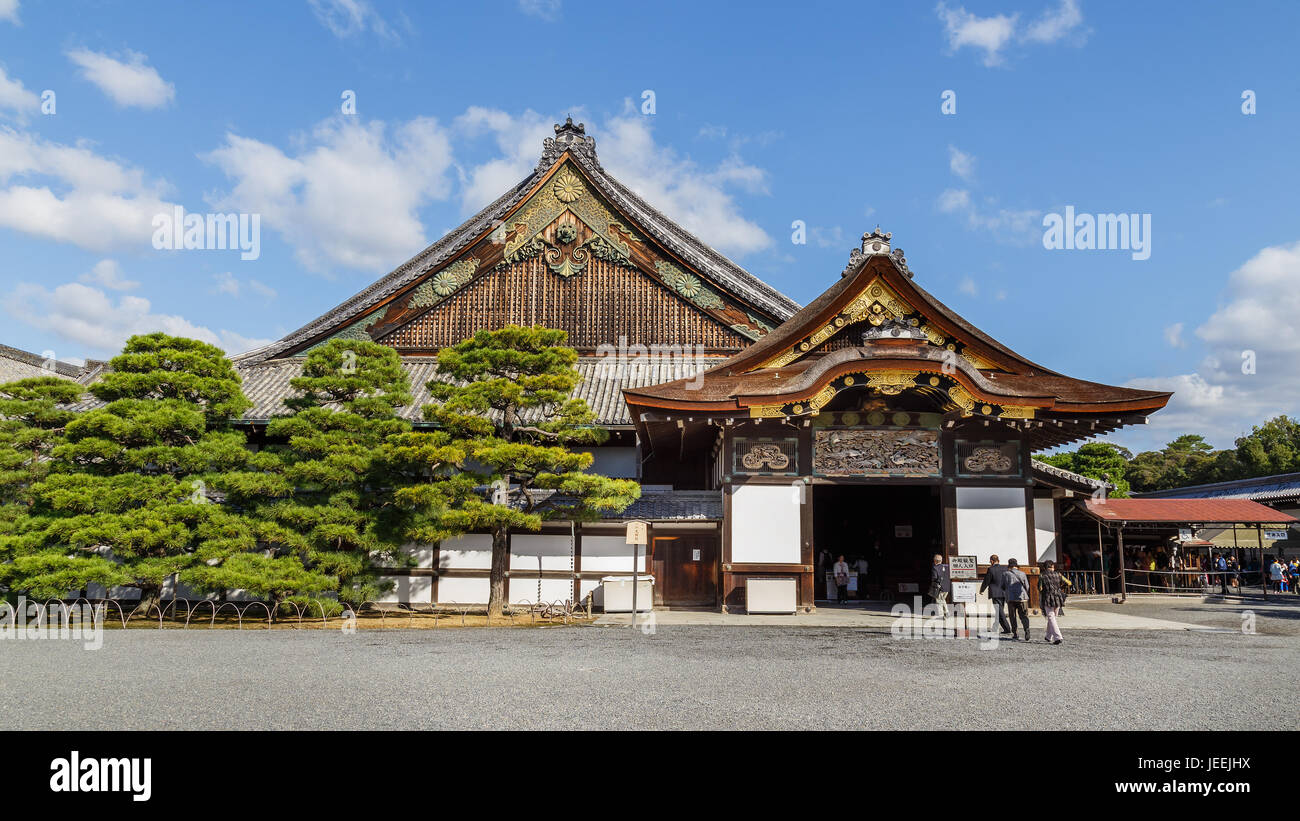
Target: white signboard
{"x": 1276, "y": 535}
{"x": 636, "y": 532}
{"x": 964, "y": 592}
{"x": 963, "y": 567}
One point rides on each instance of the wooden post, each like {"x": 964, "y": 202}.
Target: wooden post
{"x": 1101, "y": 552}
{"x": 1123, "y": 586}
{"x": 1263, "y": 571}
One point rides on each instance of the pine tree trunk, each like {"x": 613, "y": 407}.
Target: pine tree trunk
{"x": 150, "y": 597}
{"x": 497, "y": 580}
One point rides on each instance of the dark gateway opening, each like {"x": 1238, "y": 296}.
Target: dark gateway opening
{"x": 897, "y": 529}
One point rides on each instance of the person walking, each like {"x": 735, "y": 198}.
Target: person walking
{"x": 993, "y": 578}
{"x": 1275, "y": 571}
{"x": 1051, "y": 595}
{"x": 841, "y": 571}
{"x": 939, "y": 584}
{"x": 1015, "y": 585}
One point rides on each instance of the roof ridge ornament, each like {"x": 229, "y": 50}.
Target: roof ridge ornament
{"x": 569, "y": 137}
{"x": 876, "y": 243}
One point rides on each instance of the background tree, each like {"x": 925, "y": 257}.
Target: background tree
{"x": 1096, "y": 460}
{"x": 123, "y": 501}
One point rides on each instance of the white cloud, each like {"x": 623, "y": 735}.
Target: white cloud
{"x": 993, "y": 34}
{"x": 347, "y": 18}
{"x": 129, "y": 83}
{"x": 518, "y": 138}
{"x": 68, "y": 193}
{"x": 350, "y": 196}
{"x": 16, "y": 98}
{"x": 109, "y": 274}
{"x": 548, "y": 10}
{"x": 231, "y": 285}
{"x": 1017, "y": 227}
{"x": 699, "y": 199}
{"x": 9, "y": 11}
{"x": 91, "y": 318}
{"x": 828, "y": 237}
{"x": 968, "y": 287}
{"x": 1055, "y": 24}
{"x": 1174, "y": 336}
{"x": 961, "y": 163}
{"x": 1258, "y": 319}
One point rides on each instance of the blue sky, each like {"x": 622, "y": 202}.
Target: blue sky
{"x": 822, "y": 112}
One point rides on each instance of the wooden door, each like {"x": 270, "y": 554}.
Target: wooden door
{"x": 686, "y": 570}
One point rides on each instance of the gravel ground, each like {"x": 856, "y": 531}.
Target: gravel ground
{"x": 1279, "y": 615}
{"x": 679, "y": 678}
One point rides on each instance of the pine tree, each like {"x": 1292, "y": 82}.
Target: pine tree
{"x": 123, "y": 501}
{"x": 504, "y": 395}
{"x": 327, "y": 488}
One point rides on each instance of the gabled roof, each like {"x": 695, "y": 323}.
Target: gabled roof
{"x": 569, "y": 144}
{"x": 1185, "y": 511}
{"x": 909, "y": 341}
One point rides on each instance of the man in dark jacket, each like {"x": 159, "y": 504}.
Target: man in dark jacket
{"x": 1015, "y": 584}
{"x": 992, "y": 583}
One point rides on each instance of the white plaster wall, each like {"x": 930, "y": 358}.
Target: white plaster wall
{"x": 1045, "y": 529}
{"x": 554, "y": 551}
{"x": 765, "y": 524}
{"x": 409, "y": 589}
{"x": 471, "y": 552}
{"x": 523, "y": 590}
{"x": 463, "y": 591}
{"x": 992, "y": 520}
{"x": 609, "y": 553}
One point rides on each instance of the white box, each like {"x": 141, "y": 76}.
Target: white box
{"x": 771, "y": 595}
{"x": 618, "y": 594}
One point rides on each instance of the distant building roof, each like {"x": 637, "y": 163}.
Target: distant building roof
{"x": 1283, "y": 487}
{"x": 1185, "y": 511}
{"x": 18, "y": 364}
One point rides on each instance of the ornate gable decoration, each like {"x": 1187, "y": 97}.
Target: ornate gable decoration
{"x": 566, "y": 222}
{"x": 567, "y": 225}
{"x": 880, "y": 305}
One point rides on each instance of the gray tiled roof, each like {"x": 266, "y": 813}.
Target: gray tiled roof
{"x": 17, "y": 364}
{"x": 675, "y": 505}
{"x": 1279, "y": 488}
{"x": 1043, "y": 468}
{"x": 660, "y": 505}
{"x": 267, "y": 384}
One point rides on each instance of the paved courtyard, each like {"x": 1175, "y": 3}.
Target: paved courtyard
{"x": 681, "y": 677}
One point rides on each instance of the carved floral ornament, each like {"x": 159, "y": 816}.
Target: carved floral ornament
{"x": 893, "y": 383}
{"x": 878, "y": 304}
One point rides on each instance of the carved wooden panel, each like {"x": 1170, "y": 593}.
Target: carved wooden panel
{"x": 759, "y": 456}
{"x": 876, "y": 453}
{"x": 596, "y": 306}
{"x": 988, "y": 458}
